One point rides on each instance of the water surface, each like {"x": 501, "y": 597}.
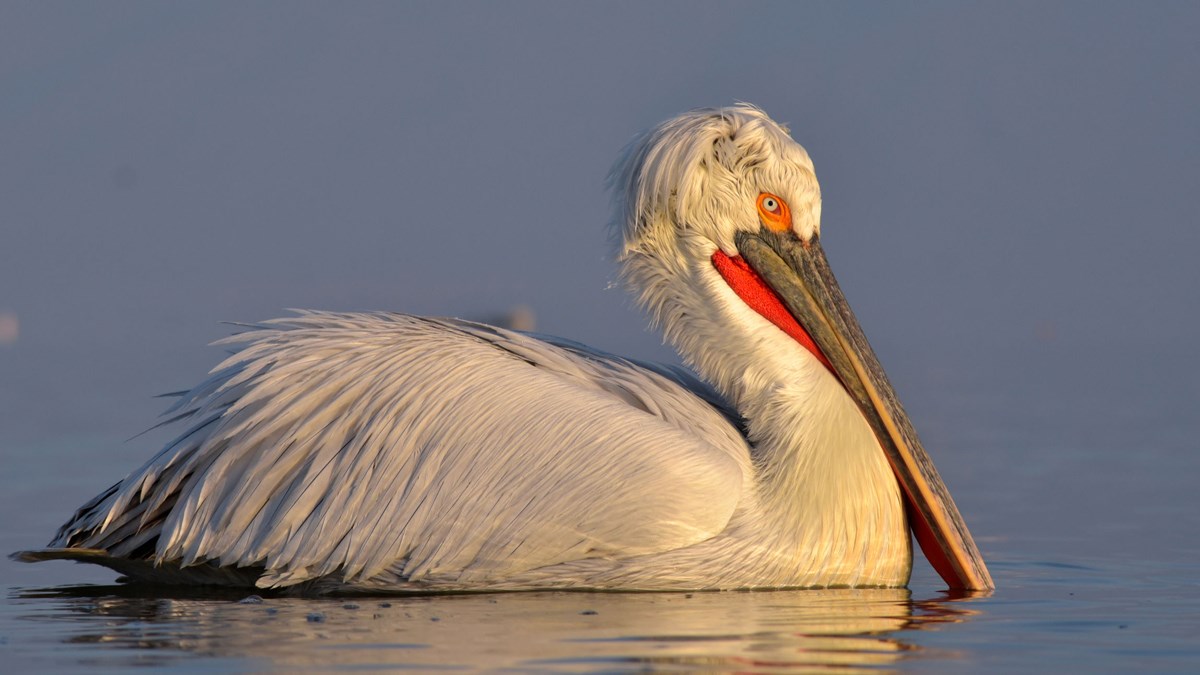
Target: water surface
{"x": 1059, "y": 605}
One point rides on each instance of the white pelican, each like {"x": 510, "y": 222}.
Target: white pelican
{"x": 392, "y": 453}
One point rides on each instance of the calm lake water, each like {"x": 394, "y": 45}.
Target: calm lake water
{"x": 1088, "y": 522}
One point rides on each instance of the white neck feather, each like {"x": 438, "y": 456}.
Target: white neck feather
{"x": 822, "y": 476}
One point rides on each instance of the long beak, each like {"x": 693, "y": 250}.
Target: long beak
{"x": 799, "y": 274}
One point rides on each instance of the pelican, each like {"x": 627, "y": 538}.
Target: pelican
{"x": 395, "y": 453}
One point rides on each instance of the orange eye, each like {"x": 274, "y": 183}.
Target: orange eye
{"x": 774, "y": 212}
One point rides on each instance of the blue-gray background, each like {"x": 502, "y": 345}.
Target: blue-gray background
{"x": 1010, "y": 202}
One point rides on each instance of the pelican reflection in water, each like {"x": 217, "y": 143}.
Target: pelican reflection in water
{"x": 388, "y": 452}
{"x": 851, "y": 630}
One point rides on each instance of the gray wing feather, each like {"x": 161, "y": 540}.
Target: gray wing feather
{"x": 434, "y": 450}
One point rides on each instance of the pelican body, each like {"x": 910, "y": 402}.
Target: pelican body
{"x": 395, "y": 453}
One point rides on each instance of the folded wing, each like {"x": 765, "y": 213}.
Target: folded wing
{"x": 435, "y": 450}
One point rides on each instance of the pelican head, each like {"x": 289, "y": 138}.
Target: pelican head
{"x": 720, "y": 208}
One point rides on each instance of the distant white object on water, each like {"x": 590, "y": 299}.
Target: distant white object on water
{"x": 10, "y": 328}
{"x": 518, "y": 317}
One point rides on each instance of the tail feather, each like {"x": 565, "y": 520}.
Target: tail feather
{"x": 91, "y": 555}
{"x": 146, "y": 571}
